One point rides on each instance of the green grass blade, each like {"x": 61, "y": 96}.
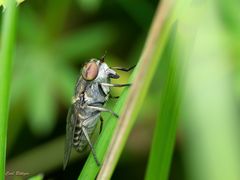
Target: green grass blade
{"x": 7, "y": 45}
{"x": 166, "y": 125}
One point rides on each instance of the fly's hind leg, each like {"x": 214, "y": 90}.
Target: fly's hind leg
{"x": 90, "y": 144}
{"x": 101, "y": 125}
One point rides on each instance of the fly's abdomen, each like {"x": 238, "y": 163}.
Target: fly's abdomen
{"x": 79, "y": 140}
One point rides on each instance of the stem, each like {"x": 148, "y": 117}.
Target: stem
{"x": 7, "y": 44}
{"x": 166, "y": 125}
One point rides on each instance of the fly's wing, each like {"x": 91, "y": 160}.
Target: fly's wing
{"x": 80, "y": 86}
{"x": 70, "y": 127}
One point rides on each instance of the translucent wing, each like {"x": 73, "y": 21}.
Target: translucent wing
{"x": 70, "y": 127}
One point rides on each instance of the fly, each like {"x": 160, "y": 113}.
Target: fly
{"x": 92, "y": 91}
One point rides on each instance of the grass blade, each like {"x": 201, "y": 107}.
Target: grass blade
{"x": 7, "y": 44}
{"x": 166, "y": 125}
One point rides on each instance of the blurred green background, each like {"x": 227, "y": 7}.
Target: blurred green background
{"x": 55, "y": 38}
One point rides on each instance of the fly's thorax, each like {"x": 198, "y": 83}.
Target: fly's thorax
{"x": 95, "y": 94}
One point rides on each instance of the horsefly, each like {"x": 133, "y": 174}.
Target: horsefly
{"x": 92, "y": 91}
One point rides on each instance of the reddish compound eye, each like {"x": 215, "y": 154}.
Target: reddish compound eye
{"x": 90, "y": 71}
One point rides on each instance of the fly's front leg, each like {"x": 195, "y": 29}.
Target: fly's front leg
{"x": 115, "y": 85}
{"x": 102, "y": 109}
{"x": 123, "y": 69}
{"x": 90, "y": 144}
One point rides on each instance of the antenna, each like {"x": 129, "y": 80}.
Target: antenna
{"x": 103, "y": 57}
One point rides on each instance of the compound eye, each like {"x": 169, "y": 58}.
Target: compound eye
{"x": 90, "y": 71}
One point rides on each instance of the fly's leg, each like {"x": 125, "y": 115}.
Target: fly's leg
{"x": 102, "y": 109}
{"x": 115, "y": 76}
{"x": 123, "y": 69}
{"x": 90, "y": 144}
{"x": 115, "y": 85}
{"x": 101, "y": 125}
{"x": 113, "y": 97}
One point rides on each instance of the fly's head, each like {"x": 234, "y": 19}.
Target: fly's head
{"x": 98, "y": 70}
